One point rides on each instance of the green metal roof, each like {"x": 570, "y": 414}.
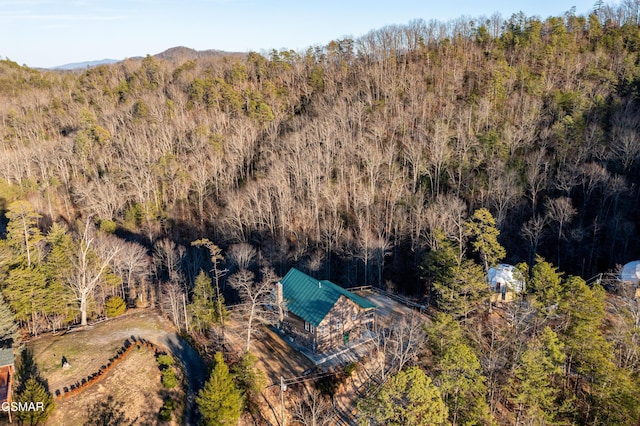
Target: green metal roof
{"x": 312, "y": 299}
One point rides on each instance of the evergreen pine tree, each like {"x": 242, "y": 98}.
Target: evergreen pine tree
{"x": 482, "y": 226}
{"x": 26, "y": 288}
{"x": 23, "y": 233}
{"x": 458, "y": 285}
{"x": 408, "y": 398}
{"x": 532, "y": 386}
{"x": 220, "y": 401}
{"x": 545, "y": 283}
{"x": 57, "y": 267}
{"x": 203, "y": 306}
{"x": 34, "y": 391}
{"x": 463, "y": 385}
{"x": 250, "y": 380}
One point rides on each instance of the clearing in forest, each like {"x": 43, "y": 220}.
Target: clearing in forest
{"x": 134, "y": 383}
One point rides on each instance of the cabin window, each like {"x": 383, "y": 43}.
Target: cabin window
{"x": 309, "y": 327}
{"x": 338, "y": 325}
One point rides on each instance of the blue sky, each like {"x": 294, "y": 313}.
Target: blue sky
{"x": 46, "y": 33}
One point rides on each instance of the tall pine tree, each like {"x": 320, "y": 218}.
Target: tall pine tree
{"x": 482, "y": 227}
{"x": 23, "y": 234}
{"x": 204, "y": 304}
{"x": 545, "y": 284}
{"x": 534, "y": 387}
{"x": 34, "y": 391}
{"x": 463, "y": 385}
{"x": 408, "y": 398}
{"x": 220, "y": 401}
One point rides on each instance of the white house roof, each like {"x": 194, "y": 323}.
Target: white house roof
{"x": 507, "y": 276}
{"x": 631, "y": 272}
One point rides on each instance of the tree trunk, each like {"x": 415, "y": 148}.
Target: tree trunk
{"x": 249, "y": 325}
{"x": 83, "y": 310}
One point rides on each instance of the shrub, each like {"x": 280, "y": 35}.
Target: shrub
{"x": 107, "y": 226}
{"x": 166, "y": 410}
{"x": 169, "y": 379}
{"x": 350, "y": 368}
{"x": 115, "y": 306}
{"x": 164, "y": 361}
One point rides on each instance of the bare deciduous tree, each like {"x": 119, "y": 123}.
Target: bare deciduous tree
{"x": 167, "y": 256}
{"x": 625, "y": 137}
{"x": 132, "y": 264}
{"x": 242, "y": 255}
{"x": 503, "y": 192}
{"x": 256, "y": 298}
{"x": 533, "y": 231}
{"x": 172, "y": 302}
{"x": 438, "y": 154}
{"x": 536, "y": 175}
{"x": 561, "y": 211}
{"x": 89, "y": 268}
{"x": 448, "y": 213}
{"x": 313, "y": 409}
{"x": 399, "y": 342}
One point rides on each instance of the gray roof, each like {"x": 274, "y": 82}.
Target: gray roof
{"x": 6, "y": 357}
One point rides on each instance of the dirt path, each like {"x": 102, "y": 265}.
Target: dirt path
{"x": 194, "y": 370}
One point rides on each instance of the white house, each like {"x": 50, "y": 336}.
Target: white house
{"x": 505, "y": 280}
{"x": 630, "y": 274}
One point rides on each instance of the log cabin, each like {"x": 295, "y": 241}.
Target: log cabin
{"x": 319, "y": 314}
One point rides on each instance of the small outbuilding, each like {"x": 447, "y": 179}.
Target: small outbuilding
{"x": 630, "y": 275}
{"x": 505, "y": 282}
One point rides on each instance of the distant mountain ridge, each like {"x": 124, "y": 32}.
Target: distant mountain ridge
{"x": 86, "y": 64}
{"x": 182, "y": 52}
{"x": 171, "y": 54}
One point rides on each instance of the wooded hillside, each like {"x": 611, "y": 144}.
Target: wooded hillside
{"x": 355, "y": 150}
{"x": 380, "y": 160}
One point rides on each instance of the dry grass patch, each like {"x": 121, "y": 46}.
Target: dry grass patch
{"x": 134, "y": 385}
{"x": 275, "y": 357}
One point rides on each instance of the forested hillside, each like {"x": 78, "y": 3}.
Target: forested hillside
{"x": 385, "y": 160}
